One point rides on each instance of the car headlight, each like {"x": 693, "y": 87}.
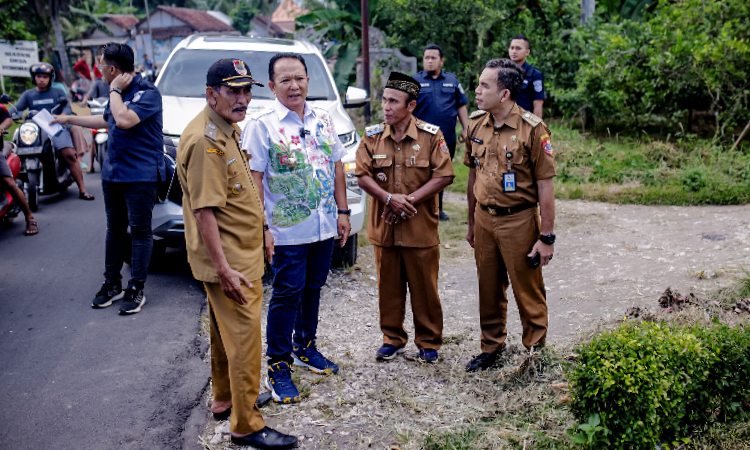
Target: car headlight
{"x": 101, "y": 138}
{"x": 29, "y": 132}
{"x": 348, "y": 139}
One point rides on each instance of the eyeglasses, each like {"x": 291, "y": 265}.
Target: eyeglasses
{"x": 101, "y": 66}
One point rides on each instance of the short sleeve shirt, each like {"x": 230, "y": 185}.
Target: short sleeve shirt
{"x": 439, "y": 100}
{"x": 402, "y": 168}
{"x": 214, "y": 173}
{"x": 532, "y": 157}
{"x": 532, "y": 88}
{"x": 136, "y": 154}
{"x": 298, "y": 160}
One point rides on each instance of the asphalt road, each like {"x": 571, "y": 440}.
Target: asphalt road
{"x": 72, "y": 377}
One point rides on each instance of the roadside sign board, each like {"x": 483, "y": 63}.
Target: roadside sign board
{"x": 17, "y": 58}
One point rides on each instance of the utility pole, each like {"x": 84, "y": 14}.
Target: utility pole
{"x": 366, "y": 55}
{"x": 151, "y": 35}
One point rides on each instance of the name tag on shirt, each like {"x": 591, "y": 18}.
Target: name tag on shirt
{"x": 425, "y": 84}
{"x": 478, "y": 141}
{"x": 233, "y": 160}
{"x": 447, "y": 84}
{"x": 379, "y": 156}
{"x": 45, "y": 101}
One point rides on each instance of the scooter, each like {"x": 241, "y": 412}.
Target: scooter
{"x": 97, "y": 105}
{"x": 43, "y": 170}
{"x": 101, "y": 135}
{"x": 8, "y": 208}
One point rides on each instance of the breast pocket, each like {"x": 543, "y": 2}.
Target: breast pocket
{"x": 478, "y": 153}
{"x": 417, "y": 173}
{"x": 519, "y": 154}
{"x": 237, "y": 185}
{"x": 383, "y": 171}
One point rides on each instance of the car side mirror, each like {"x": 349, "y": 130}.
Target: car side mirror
{"x": 355, "y": 97}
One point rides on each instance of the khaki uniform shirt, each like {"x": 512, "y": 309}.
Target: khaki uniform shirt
{"x": 402, "y": 168}
{"x": 214, "y": 174}
{"x": 527, "y": 138}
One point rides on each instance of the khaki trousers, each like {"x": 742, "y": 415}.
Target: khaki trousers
{"x": 501, "y": 244}
{"x": 417, "y": 268}
{"x": 236, "y": 354}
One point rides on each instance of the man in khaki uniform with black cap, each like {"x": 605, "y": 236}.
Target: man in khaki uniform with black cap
{"x": 509, "y": 154}
{"x": 224, "y": 232}
{"x": 403, "y": 164}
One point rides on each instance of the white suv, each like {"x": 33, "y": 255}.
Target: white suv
{"x": 182, "y": 83}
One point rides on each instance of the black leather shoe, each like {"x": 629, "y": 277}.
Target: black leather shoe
{"x": 267, "y": 439}
{"x": 443, "y": 216}
{"x": 483, "y": 361}
{"x": 263, "y": 399}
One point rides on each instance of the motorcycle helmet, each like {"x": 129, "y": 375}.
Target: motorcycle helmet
{"x": 42, "y": 68}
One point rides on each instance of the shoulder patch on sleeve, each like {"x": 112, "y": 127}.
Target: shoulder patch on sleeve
{"x": 428, "y": 127}
{"x": 531, "y": 119}
{"x": 210, "y": 131}
{"x": 477, "y": 113}
{"x": 375, "y": 129}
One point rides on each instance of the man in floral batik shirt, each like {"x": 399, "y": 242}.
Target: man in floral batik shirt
{"x": 296, "y": 157}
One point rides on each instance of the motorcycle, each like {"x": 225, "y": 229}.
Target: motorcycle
{"x": 97, "y": 105}
{"x": 77, "y": 94}
{"x": 8, "y": 208}
{"x": 43, "y": 170}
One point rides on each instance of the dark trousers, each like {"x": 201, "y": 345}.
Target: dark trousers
{"x": 452, "y": 151}
{"x": 299, "y": 272}
{"x": 128, "y": 203}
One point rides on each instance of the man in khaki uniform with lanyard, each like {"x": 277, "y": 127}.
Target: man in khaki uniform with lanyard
{"x": 403, "y": 163}
{"x": 224, "y": 232}
{"x": 511, "y": 165}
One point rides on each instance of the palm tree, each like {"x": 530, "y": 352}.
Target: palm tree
{"x": 53, "y": 9}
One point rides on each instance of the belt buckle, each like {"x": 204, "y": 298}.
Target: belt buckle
{"x": 492, "y": 211}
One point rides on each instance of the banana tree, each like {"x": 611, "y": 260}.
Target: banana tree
{"x": 344, "y": 29}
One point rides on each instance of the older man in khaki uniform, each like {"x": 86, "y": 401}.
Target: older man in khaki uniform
{"x": 224, "y": 227}
{"x": 509, "y": 154}
{"x": 403, "y": 164}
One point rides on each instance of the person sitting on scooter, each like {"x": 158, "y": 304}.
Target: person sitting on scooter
{"x": 46, "y": 97}
{"x": 8, "y": 184}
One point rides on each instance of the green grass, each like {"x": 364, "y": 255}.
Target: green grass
{"x": 685, "y": 171}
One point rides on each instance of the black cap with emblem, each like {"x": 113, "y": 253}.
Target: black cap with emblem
{"x": 230, "y": 72}
{"x": 403, "y": 83}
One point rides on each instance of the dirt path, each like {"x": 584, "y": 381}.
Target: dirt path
{"x": 608, "y": 257}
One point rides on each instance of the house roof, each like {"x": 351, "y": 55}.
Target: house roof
{"x": 124, "y": 21}
{"x": 261, "y": 21}
{"x": 288, "y": 11}
{"x": 199, "y": 21}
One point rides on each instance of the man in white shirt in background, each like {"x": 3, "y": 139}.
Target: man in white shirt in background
{"x": 296, "y": 157}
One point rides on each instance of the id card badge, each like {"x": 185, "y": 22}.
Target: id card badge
{"x": 509, "y": 182}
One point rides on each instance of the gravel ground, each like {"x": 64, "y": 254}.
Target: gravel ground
{"x": 608, "y": 258}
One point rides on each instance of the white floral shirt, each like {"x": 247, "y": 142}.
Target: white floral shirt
{"x": 298, "y": 163}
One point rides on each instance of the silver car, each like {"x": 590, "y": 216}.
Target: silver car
{"x": 182, "y": 83}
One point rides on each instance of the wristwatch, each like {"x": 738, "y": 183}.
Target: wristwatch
{"x": 118, "y": 90}
{"x": 348, "y": 212}
{"x": 548, "y": 239}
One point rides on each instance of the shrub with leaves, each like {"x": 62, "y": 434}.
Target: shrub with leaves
{"x": 651, "y": 383}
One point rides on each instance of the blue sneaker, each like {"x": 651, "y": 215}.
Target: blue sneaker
{"x": 426, "y": 356}
{"x": 280, "y": 383}
{"x": 387, "y": 352}
{"x": 309, "y": 356}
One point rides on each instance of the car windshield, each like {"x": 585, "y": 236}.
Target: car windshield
{"x": 185, "y": 75}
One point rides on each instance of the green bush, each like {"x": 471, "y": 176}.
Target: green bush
{"x": 651, "y": 383}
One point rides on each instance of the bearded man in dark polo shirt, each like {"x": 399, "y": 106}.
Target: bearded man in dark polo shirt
{"x": 133, "y": 166}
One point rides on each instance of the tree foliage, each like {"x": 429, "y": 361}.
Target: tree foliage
{"x": 242, "y": 15}
{"x": 686, "y": 55}
{"x": 11, "y": 29}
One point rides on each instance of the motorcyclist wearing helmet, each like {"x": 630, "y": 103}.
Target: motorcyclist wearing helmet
{"x": 7, "y": 183}
{"x": 44, "y": 96}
